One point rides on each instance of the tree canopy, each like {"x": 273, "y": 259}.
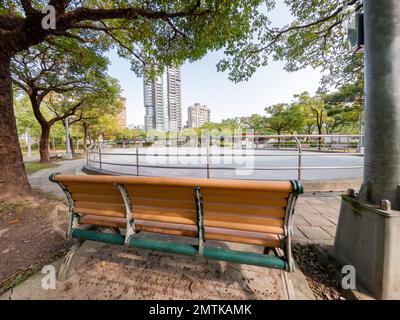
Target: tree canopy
{"x": 315, "y": 37}
{"x": 151, "y": 34}
{"x": 61, "y": 82}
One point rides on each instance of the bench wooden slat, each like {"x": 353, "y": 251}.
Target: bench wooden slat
{"x": 104, "y": 198}
{"x": 244, "y": 226}
{"x": 265, "y": 201}
{"x": 162, "y": 195}
{"x": 244, "y": 194}
{"x": 153, "y": 189}
{"x": 94, "y": 190}
{"x": 107, "y": 206}
{"x": 164, "y": 203}
{"x": 108, "y": 213}
{"x": 275, "y": 186}
{"x": 243, "y": 210}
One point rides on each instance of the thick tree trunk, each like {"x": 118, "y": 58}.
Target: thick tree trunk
{"x": 44, "y": 150}
{"x": 13, "y": 179}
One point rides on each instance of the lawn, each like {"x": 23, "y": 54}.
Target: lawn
{"x": 32, "y": 167}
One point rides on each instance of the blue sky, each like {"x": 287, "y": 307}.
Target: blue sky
{"x": 202, "y": 83}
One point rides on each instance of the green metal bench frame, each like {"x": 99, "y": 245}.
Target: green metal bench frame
{"x": 130, "y": 239}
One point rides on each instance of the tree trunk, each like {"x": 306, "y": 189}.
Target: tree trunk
{"x": 13, "y": 179}
{"x": 85, "y": 137}
{"x": 279, "y": 138}
{"x": 71, "y": 144}
{"x": 44, "y": 143}
{"x": 319, "y": 138}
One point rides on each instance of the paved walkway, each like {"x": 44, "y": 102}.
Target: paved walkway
{"x": 316, "y": 217}
{"x": 40, "y": 179}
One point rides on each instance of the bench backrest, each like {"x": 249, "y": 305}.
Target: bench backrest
{"x": 259, "y": 207}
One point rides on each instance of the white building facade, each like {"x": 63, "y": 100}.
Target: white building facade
{"x": 162, "y": 102}
{"x": 198, "y": 115}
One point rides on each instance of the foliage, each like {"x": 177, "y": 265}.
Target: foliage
{"x": 284, "y": 118}
{"x": 62, "y": 80}
{"x": 316, "y": 37}
{"x": 165, "y": 32}
{"x": 25, "y": 119}
{"x": 324, "y": 113}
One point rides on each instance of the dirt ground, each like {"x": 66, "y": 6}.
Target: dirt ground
{"x": 32, "y": 234}
{"x": 321, "y": 271}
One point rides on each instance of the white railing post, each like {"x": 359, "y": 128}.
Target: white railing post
{"x": 87, "y": 155}
{"x": 299, "y": 152}
{"x": 100, "y": 166}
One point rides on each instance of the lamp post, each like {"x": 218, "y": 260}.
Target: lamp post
{"x": 28, "y": 143}
{"x": 368, "y": 232}
{"x": 68, "y": 155}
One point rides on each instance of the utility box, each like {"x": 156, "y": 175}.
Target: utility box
{"x": 355, "y": 32}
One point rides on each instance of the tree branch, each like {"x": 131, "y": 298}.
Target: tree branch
{"x": 27, "y": 6}
{"x": 89, "y": 14}
{"x": 281, "y": 32}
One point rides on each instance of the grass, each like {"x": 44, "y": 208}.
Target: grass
{"x": 50, "y": 196}
{"x": 32, "y": 167}
{"x": 12, "y": 206}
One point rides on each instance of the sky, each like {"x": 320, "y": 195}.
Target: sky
{"x": 203, "y": 84}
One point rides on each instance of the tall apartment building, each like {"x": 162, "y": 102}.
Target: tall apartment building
{"x": 121, "y": 117}
{"x": 162, "y": 101}
{"x": 154, "y": 104}
{"x": 198, "y": 115}
{"x": 174, "y": 99}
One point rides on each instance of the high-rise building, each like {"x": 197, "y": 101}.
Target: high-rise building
{"x": 162, "y": 101}
{"x": 121, "y": 117}
{"x": 198, "y": 115}
{"x": 154, "y": 104}
{"x": 174, "y": 99}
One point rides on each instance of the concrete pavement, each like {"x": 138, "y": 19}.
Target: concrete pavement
{"x": 316, "y": 217}
{"x": 40, "y": 179}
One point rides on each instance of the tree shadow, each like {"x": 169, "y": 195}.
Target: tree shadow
{"x": 182, "y": 267}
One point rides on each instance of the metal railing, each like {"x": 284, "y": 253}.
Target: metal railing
{"x": 130, "y": 154}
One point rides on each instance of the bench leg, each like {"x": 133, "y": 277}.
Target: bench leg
{"x": 63, "y": 272}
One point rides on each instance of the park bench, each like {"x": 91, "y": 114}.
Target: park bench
{"x": 57, "y": 155}
{"x": 340, "y": 146}
{"x": 240, "y": 211}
